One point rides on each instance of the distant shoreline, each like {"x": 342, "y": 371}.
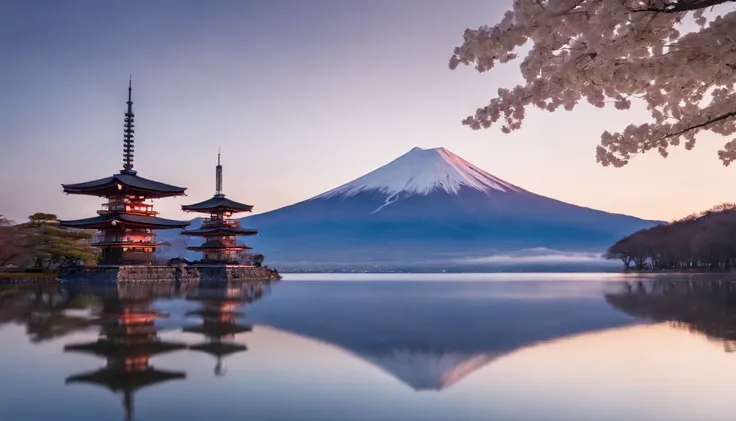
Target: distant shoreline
{"x": 50, "y": 278}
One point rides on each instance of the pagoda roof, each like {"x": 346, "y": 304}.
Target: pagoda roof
{"x": 219, "y": 349}
{"x": 104, "y": 221}
{"x": 128, "y": 180}
{"x": 221, "y": 230}
{"x": 218, "y": 329}
{"x": 218, "y": 202}
{"x": 109, "y": 349}
{"x": 118, "y": 380}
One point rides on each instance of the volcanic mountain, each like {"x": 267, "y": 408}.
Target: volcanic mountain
{"x": 427, "y": 206}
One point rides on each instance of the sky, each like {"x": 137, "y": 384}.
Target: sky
{"x": 301, "y": 96}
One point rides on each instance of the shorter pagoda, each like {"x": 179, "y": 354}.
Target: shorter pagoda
{"x": 219, "y": 231}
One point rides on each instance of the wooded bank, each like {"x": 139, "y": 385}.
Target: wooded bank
{"x": 705, "y": 241}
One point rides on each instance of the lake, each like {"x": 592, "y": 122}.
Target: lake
{"x": 572, "y": 347}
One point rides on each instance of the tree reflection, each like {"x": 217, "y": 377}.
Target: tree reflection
{"x": 707, "y": 307}
{"x": 45, "y": 310}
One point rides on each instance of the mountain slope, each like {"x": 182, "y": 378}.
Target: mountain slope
{"x": 427, "y": 207}
{"x": 422, "y": 171}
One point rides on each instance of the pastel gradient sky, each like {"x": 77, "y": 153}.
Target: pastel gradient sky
{"x": 302, "y": 95}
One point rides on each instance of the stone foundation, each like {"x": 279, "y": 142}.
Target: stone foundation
{"x": 180, "y": 273}
{"x": 236, "y": 273}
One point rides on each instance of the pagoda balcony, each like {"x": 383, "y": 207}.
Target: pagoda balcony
{"x": 126, "y": 331}
{"x": 122, "y": 207}
{"x": 128, "y": 211}
{"x": 132, "y": 236}
{"x": 149, "y": 238}
{"x": 140, "y": 317}
{"x": 214, "y": 222}
{"x": 127, "y": 243}
{"x": 124, "y": 256}
{"x": 219, "y": 243}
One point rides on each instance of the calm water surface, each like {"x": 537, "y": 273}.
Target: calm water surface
{"x": 415, "y": 347}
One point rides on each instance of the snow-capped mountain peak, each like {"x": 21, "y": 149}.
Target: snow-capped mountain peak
{"x": 421, "y": 171}
{"x": 431, "y": 371}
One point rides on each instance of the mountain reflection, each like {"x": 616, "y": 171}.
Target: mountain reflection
{"x": 707, "y": 307}
{"x": 430, "y": 335}
{"x": 489, "y": 348}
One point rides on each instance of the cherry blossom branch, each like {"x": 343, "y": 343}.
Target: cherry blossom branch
{"x": 650, "y": 144}
{"x": 701, "y": 125}
{"x": 682, "y": 6}
{"x": 601, "y": 51}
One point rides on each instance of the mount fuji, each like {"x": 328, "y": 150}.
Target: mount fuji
{"x": 428, "y": 207}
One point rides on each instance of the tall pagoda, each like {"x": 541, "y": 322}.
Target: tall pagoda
{"x": 127, "y": 221}
{"x": 219, "y": 231}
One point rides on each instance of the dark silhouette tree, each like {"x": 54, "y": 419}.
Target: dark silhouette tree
{"x": 257, "y": 260}
{"x": 706, "y": 240}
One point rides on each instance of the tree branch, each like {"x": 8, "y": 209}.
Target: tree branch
{"x": 698, "y": 126}
{"x": 683, "y": 131}
{"x": 683, "y": 6}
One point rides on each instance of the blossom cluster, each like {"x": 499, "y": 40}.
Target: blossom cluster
{"x": 616, "y": 51}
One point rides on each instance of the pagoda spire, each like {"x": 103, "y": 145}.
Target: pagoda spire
{"x": 128, "y": 404}
{"x": 218, "y": 175}
{"x": 128, "y": 147}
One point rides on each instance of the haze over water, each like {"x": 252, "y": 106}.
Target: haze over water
{"x": 432, "y": 347}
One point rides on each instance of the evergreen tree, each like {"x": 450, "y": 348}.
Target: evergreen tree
{"x": 53, "y": 246}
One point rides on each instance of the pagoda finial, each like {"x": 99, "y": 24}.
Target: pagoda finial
{"x": 218, "y": 174}
{"x": 128, "y": 404}
{"x": 128, "y": 147}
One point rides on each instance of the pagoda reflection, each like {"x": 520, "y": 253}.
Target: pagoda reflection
{"x": 128, "y": 340}
{"x": 219, "y": 313}
{"x": 703, "y": 306}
